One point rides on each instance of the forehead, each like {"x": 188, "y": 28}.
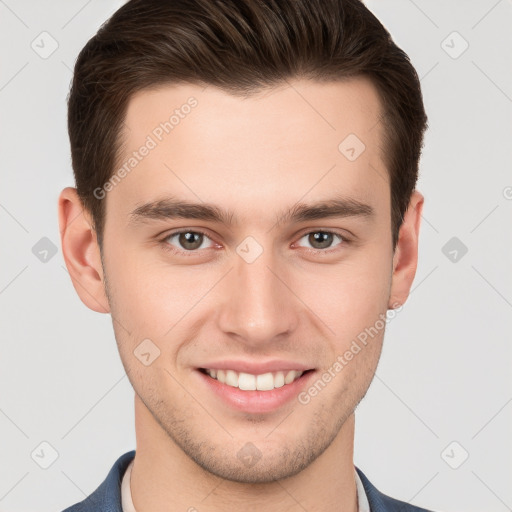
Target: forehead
{"x": 299, "y": 140}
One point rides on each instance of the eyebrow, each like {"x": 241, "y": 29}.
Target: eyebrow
{"x": 173, "y": 208}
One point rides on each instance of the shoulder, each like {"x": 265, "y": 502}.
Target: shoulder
{"x": 380, "y": 502}
{"x": 107, "y": 497}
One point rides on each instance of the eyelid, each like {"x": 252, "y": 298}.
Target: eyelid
{"x": 345, "y": 240}
{"x": 343, "y": 234}
{"x": 173, "y": 249}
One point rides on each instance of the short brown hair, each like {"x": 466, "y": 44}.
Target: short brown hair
{"x": 241, "y": 46}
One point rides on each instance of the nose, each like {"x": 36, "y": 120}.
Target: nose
{"x": 258, "y": 306}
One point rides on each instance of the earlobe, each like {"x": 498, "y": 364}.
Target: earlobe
{"x": 405, "y": 259}
{"x": 81, "y": 251}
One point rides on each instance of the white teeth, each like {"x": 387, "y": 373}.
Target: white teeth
{"x": 290, "y": 376}
{"x": 249, "y": 382}
{"x": 265, "y": 382}
{"x": 231, "y": 378}
{"x": 279, "y": 380}
{"x": 246, "y": 381}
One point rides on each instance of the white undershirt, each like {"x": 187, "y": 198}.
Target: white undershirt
{"x": 127, "y": 503}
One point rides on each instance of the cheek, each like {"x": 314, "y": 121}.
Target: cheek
{"x": 157, "y": 302}
{"x": 348, "y": 296}
{"x": 147, "y": 296}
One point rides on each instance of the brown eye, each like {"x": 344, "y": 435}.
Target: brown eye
{"x": 186, "y": 241}
{"x": 190, "y": 240}
{"x": 321, "y": 240}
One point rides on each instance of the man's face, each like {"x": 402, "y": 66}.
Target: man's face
{"x": 253, "y": 296}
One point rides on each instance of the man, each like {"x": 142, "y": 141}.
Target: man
{"x": 246, "y": 211}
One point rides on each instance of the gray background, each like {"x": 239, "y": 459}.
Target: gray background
{"x": 443, "y": 388}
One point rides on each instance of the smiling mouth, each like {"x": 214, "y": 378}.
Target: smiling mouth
{"x": 249, "y": 382}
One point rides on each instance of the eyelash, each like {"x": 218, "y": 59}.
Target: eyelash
{"x": 168, "y": 247}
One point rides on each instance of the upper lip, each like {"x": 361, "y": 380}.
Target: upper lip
{"x": 256, "y": 368}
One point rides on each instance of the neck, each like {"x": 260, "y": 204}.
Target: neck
{"x": 164, "y": 478}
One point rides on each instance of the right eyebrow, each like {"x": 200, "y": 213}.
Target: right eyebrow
{"x": 171, "y": 208}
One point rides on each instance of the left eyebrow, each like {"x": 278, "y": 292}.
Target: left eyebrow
{"x": 173, "y": 208}
{"x": 338, "y": 208}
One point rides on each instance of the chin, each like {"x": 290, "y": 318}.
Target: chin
{"x": 262, "y": 472}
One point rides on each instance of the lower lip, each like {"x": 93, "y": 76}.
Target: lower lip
{"x": 257, "y": 401}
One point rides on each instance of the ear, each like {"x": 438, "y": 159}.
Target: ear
{"x": 405, "y": 259}
{"x": 81, "y": 251}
